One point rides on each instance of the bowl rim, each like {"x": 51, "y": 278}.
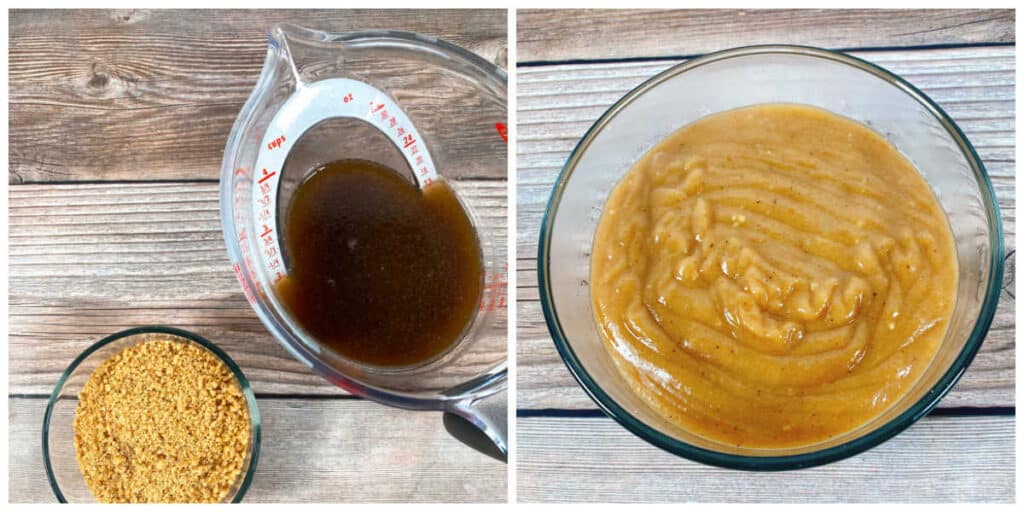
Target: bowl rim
{"x": 243, "y": 383}
{"x": 865, "y": 441}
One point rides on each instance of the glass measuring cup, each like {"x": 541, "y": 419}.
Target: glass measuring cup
{"x": 412, "y": 103}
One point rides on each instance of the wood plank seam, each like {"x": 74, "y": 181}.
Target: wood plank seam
{"x": 659, "y": 58}
{"x": 980, "y": 105}
{"x": 581, "y": 455}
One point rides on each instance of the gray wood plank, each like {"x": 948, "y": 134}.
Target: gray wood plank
{"x": 316, "y": 451}
{"x": 90, "y": 260}
{"x": 559, "y": 35}
{"x": 152, "y": 94}
{"x": 596, "y": 460}
{"x": 558, "y": 103}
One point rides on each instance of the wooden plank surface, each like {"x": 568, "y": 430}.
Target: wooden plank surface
{"x": 556, "y": 104}
{"x": 152, "y": 94}
{"x": 567, "y": 450}
{"x": 601, "y": 34}
{"x": 87, "y": 260}
{"x": 596, "y": 460}
{"x": 316, "y": 451}
{"x": 118, "y": 120}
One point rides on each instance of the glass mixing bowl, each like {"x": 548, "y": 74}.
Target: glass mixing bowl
{"x": 741, "y": 77}
{"x": 457, "y": 102}
{"x": 59, "y": 455}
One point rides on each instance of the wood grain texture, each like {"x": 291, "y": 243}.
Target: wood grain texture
{"x": 596, "y": 460}
{"x": 149, "y": 96}
{"x": 558, "y": 35}
{"x": 556, "y": 104}
{"x": 316, "y": 451}
{"x": 90, "y": 260}
{"x": 152, "y": 94}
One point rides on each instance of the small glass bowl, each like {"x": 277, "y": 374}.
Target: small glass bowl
{"x": 731, "y": 79}
{"x": 59, "y": 455}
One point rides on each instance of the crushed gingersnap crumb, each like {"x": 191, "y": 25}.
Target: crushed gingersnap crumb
{"x": 161, "y": 422}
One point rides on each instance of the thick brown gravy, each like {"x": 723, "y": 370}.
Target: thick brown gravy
{"x": 772, "y": 276}
{"x": 379, "y": 271}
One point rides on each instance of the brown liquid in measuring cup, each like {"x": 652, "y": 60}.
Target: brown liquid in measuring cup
{"x": 380, "y": 271}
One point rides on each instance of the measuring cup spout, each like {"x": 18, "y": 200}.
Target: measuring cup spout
{"x": 481, "y": 424}
{"x": 294, "y": 45}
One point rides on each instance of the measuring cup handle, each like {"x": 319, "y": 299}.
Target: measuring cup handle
{"x": 481, "y": 424}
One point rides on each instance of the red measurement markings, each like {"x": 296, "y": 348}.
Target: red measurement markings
{"x": 242, "y": 239}
{"x": 242, "y": 186}
{"x": 267, "y": 175}
{"x": 348, "y": 97}
{"x": 495, "y": 289}
{"x": 276, "y": 143}
{"x": 265, "y": 216}
{"x": 264, "y": 201}
{"x": 407, "y": 139}
{"x": 252, "y": 272}
{"x": 240, "y": 205}
{"x": 502, "y": 130}
{"x": 245, "y": 285}
{"x": 270, "y": 250}
{"x": 240, "y": 196}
